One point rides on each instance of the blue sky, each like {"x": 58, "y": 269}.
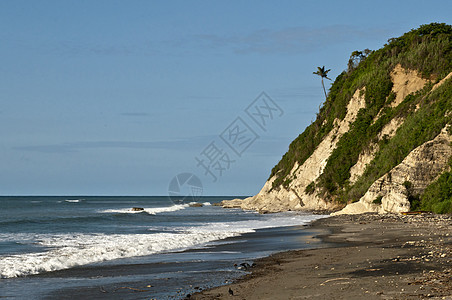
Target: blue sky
{"x": 118, "y": 97}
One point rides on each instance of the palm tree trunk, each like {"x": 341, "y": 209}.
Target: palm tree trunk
{"x": 324, "y": 89}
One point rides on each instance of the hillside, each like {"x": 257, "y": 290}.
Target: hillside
{"x": 381, "y": 141}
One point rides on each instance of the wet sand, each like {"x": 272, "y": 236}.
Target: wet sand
{"x": 372, "y": 257}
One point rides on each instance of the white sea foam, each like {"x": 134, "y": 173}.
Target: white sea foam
{"x": 204, "y": 203}
{"x": 73, "y": 250}
{"x": 277, "y": 220}
{"x": 74, "y": 200}
{"x": 151, "y": 211}
{"x": 69, "y": 250}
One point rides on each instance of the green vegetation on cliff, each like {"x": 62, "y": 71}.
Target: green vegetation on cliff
{"x": 427, "y": 49}
{"x": 438, "y": 195}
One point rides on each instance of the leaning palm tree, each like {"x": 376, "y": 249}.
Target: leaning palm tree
{"x": 323, "y": 74}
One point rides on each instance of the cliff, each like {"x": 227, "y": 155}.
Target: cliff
{"x": 381, "y": 140}
{"x": 392, "y": 191}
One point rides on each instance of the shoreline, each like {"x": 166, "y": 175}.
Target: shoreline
{"x": 370, "y": 255}
{"x": 170, "y": 275}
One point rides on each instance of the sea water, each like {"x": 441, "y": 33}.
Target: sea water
{"x": 53, "y": 247}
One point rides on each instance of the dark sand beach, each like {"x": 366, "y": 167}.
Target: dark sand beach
{"x": 372, "y": 257}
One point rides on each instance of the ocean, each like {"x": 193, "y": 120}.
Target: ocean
{"x": 99, "y": 248}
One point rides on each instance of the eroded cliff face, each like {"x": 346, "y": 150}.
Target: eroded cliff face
{"x": 368, "y": 154}
{"x": 405, "y": 82}
{"x": 390, "y": 193}
{"x": 294, "y": 197}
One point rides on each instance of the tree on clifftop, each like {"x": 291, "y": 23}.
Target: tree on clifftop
{"x": 323, "y": 74}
